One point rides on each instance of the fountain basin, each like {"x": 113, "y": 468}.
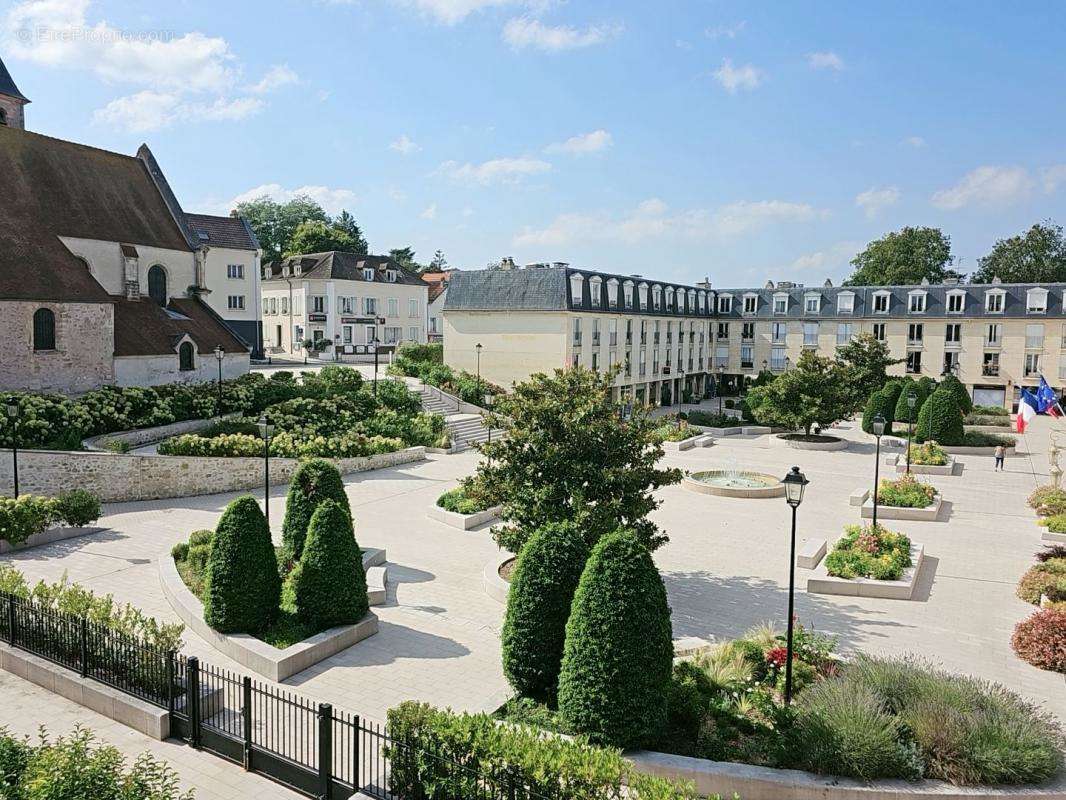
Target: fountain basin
{"x": 734, "y": 483}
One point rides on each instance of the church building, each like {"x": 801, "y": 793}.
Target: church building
{"x": 102, "y": 274}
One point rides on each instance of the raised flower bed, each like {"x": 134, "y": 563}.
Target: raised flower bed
{"x": 928, "y": 458}
{"x": 869, "y": 562}
{"x": 464, "y": 508}
{"x": 31, "y": 521}
{"x": 905, "y": 498}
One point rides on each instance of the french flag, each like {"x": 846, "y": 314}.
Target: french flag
{"x": 1027, "y": 409}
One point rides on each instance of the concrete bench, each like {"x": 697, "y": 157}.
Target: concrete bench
{"x": 810, "y": 553}
{"x": 858, "y": 497}
{"x": 376, "y": 582}
{"x": 755, "y": 430}
{"x": 703, "y": 441}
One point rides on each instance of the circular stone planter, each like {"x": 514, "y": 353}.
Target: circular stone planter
{"x": 799, "y": 441}
{"x": 496, "y": 586}
{"x": 734, "y": 483}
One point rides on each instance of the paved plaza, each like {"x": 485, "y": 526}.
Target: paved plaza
{"x": 726, "y": 568}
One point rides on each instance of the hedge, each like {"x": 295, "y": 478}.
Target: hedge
{"x": 944, "y": 419}
{"x": 538, "y": 606}
{"x": 29, "y": 514}
{"x": 618, "y": 652}
{"x": 329, "y": 582}
{"x": 243, "y": 585}
{"x": 902, "y": 412}
{"x": 879, "y": 403}
{"x": 313, "y": 482}
{"x": 962, "y": 397}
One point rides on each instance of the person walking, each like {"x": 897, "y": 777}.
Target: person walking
{"x": 1001, "y": 453}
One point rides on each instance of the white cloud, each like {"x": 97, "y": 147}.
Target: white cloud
{"x": 396, "y": 194}
{"x": 874, "y": 200}
{"x": 725, "y": 31}
{"x": 151, "y": 111}
{"x": 275, "y": 78}
{"x": 522, "y": 32}
{"x": 733, "y": 78}
{"x": 584, "y": 143}
{"x": 468, "y": 211}
{"x": 497, "y": 170}
{"x": 835, "y": 258}
{"x": 451, "y": 12}
{"x": 652, "y": 219}
{"x": 1053, "y": 177}
{"x": 404, "y": 145}
{"x": 333, "y": 200}
{"x": 917, "y": 142}
{"x": 681, "y": 44}
{"x": 825, "y": 60}
{"x": 430, "y": 212}
{"x": 227, "y": 110}
{"x": 986, "y": 186}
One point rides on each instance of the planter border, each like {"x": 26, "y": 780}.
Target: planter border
{"x": 927, "y": 514}
{"x": 1051, "y": 536}
{"x": 463, "y": 522}
{"x": 900, "y": 463}
{"x": 839, "y": 444}
{"x": 684, "y": 444}
{"x": 252, "y": 653}
{"x": 495, "y": 586}
{"x": 50, "y": 536}
{"x": 693, "y": 485}
{"x": 821, "y": 582}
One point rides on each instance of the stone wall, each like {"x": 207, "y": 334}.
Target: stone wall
{"x": 82, "y": 360}
{"x": 118, "y": 477}
{"x": 157, "y": 370}
{"x": 142, "y": 436}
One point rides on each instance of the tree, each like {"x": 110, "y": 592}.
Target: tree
{"x": 313, "y": 482}
{"x": 867, "y": 360}
{"x": 316, "y": 236}
{"x": 329, "y": 583}
{"x": 945, "y": 418}
{"x": 903, "y": 412}
{"x": 243, "y": 588}
{"x": 816, "y": 391}
{"x": 538, "y": 606}
{"x": 1037, "y": 256}
{"x": 962, "y": 397}
{"x": 405, "y": 257}
{"x": 275, "y": 223}
{"x": 879, "y": 403}
{"x": 618, "y": 653}
{"x": 439, "y": 262}
{"x": 892, "y": 390}
{"x": 346, "y": 222}
{"x": 568, "y": 457}
{"x": 903, "y": 257}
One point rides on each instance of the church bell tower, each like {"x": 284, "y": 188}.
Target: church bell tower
{"x": 12, "y": 101}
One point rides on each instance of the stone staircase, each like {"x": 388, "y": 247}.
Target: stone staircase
{"x": 465, "y": 428}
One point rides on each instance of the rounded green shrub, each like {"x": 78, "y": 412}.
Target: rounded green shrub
{"x": 945, "y": 418}
{"x": 538, "y": 606}
{"x": 892, "y": 390}
{"x": 921, "y": 427}
{"x": 77, "y": 508}
{"x": 903, "y": 411}
{"x": 329, "y": 583}
{"x": 962, "y": 397}
{"x": 312, "y": 482}
{"x": 243, "y": 586}
{"x": 879, "y": 403}
{"x": 618, "y": 652}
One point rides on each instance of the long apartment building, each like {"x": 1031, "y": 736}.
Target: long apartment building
{"x": 995, "y": 337}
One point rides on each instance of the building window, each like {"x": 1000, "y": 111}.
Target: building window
{"x": 44, "y": 329}
{"x": 990, "y": 365}
{"x": 914, "y": 362}
{"x": 643, "y": 295}
{"x": 951, "y": 361}
{"x": 412, "y": 308}
{"x": 235, "y": 302}
{"x": 612, "y": 293}
{"x": 394, "y": 307}
{"x": 235, "y": 271}
{"x": 393, "y": 334}
{"x": 370, "y": 306}
{"x": 994, "y": 302}
{"x": 993, "y": 334}
{"x": 956, "y": 302}
{"x": 643, "y": 332}
{"x": 629, "y": 332}
{"x": 751, "y": 303}
{"x": 185, "y": 357}
{"x": 656, "y": 297}
{"x": 721, "y": 357}
{"x": 643, "y": 363}
{"x": 595, "y": 333}
{"x": 669, "y": 299}
{"x": 3, "y": 116}
{"x": 346, "y": 332}
{"x": 747, "y": 331}
{"x": 577, "y": 331}
{"x": 916, "y": 302}
{"x": 368, "y": 273}
{"x": 1032, "y": 364}
{"x": 812, "y": 304}
{"x": 953, "y": 333}
{"x": 915, "y": 333}
{"x": 157, "y": 284}
{"x": 575, "y": 360}
{"x": 777, "y": 332}
{"x": 627, "y": 290}
{"x": 1034, "y": 337}
{"x": 344, "y": 305}
{"x": 390, "y": 275}
{"x": 318, "y": 304}
{"x": 595, "y": 362}
{"x": 879, "y": 331}
{"x": 810, "y": 334}
{"x": 284, "y": 305}
{"x": 881, "y": 302}
{"x": 777, "y": 359}
{"x": 725, "y": 303}
{"x": 723, "y": 330}
{"x": 845, "y": 303}
{"x": 843, "y": 332}
{"x": 780, "y": 303}
{"x": 595, "y": 293}
{"x": 412, "y": 334}
{"x": 1036, "y": 301}
{"x": 747, "y": 357}
{"x": 1062, "y": 365}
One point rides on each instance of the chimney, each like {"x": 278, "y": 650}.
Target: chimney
{"x": 507, "y": 262}
{"x": 705, "y": 283}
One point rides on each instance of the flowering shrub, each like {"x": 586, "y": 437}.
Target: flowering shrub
{"x": 1048, "y": 501}
{"x": 1046, "y": 578}
{"x": 906, "y": 492}
{"x": 1041, "y": 639}
{"x": 868, "y": 552}
{"x": 299, "y": 444}
{"x": 1051, "y": 551}
{"x": 671, "y": 432}
{"x": 1055, "y": 524}
{"x": 929, "y": 454}
{"x": 28, "y": 514}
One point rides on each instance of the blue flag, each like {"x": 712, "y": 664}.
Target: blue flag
{"x": 1045, "y": 396}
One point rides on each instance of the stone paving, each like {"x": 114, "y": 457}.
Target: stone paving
{"x": 726, "y": 568}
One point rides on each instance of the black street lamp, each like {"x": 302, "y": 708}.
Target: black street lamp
{"x": 489, "y": 400}
{"x": 478, "y": 348}
{"x": 878, "y": 428}
{"x": 680, "y": 389}
{"x": 911, "y": 402}
{"x": 219, "y": 355}
{"x": 794, "y": 482}
{"x": 718, "y": 387}
{"x": 377, "y": 321}
{"x": 13, "y": 415}
{"x": 266, "y": 430}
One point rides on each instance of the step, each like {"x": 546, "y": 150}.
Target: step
{"x": 376, "y": 581}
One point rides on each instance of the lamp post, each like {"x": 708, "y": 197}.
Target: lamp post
{"x": 488, "y": 400}
{"x": 219, "y": 355}
{"x": 266, "y": 430}
{"x": 478, "y": 348}
{"x": 680, "y": 388}
{"x": 911, "y": 402}
{"x": 377, "y": 321}
{"x": 13, "y": 416}
{"x": 878, "y": 427}
{"x": 718, "y": 387}
{"x": 794, "y": 482}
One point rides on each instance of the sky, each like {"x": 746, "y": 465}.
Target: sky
{"x": 739, "y": 141}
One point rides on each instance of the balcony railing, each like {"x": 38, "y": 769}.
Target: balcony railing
{"x": 990, "y": 370}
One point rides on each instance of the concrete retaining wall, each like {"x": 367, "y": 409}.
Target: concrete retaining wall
{"x": 463, "y": 522}
{"x": 143, "y": 436}
{"x": 117, "y": 477}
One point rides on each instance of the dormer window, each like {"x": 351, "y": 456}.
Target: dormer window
{"x": 956, "y": 301}
{"x": 916, "y": 302}
{"x": 846, "y": 303}
{"x": 781, "y": 303}
{"x": 669, "y": 298}
{"x": 882, "y": 301}
{"x": 701, "y": 301}
{"x": 691, "y": 301}
{"x": 1036, "y": 301}
{"x": 812, "y": 303}
{"x": 627, "y": 292}
{"x": 297, "y": 269}
{"x": 994, "y": 301}
{"x": 643, "y": 288}
{"x": 284, "y": 272}
{"x": 595, "y": 283}
{"x": 657, "y": 297}
{"x": 390, "y": 275}
{"x": 751, "y": 304}
{"x": 725, "y": 304}
{"x": 612, "y": 293}
{"x": 577, "y": 289}
{"x": 368, "y": 273}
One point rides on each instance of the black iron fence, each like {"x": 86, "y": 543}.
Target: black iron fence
{"x": 310, "y": 747}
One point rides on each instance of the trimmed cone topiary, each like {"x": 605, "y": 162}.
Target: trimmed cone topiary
{"x": 618, "y": 653}
{"x": 312, "y": 482}
{"x": 892, "y": 389}
{"x": 921, "y": 427}
{"x": 962, "y": 397}
{"x": 902, "y": 412}
{"x": 945, "y": 418}
{"x": 243, "y": 588}
{"x": 879, "y": 403}
{"x": 538, "y": 606}
{"x": 329, "y": 582}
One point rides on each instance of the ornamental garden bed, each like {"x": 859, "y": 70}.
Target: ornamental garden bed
{"x": 905, "y": 498}
{"x": 31, "y": 521}
{"x": 813, "y": 441}
{"x": 869, "y": 563}
{"x": 460, "y": 508}
{"x": 925, "y": 459}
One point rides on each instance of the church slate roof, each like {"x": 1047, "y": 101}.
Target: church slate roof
{"x": 7, "y": 84}
{"x": 144, "y": 328}
{"x": 231, "y": 232}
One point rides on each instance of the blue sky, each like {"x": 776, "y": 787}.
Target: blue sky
{"x": 739, "y": 141}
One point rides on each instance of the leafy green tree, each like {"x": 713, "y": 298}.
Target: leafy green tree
{"x": 962, "y": 396}
{"x": 568, "y": 456}
{"x": 346, "y": 222}
{"x": 243, "y": 589}
{"x": 814, "y": 392}
{"x": 618, "y": 653}
{"x": 329, "y": 583}
{"x": 275, "y": 223}
{"x": 903, "y": 257}
{"x": 313, "y": 482}
{"x": 538, "y": 606}
{"x": 867, "y": 360}
{"x": 439, "y": 262}
{"x": 405, "y": 257}
{"x": 879, "y": 403}
{"x": 320, "y": 237}
{"x": 1037, "y": 256}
